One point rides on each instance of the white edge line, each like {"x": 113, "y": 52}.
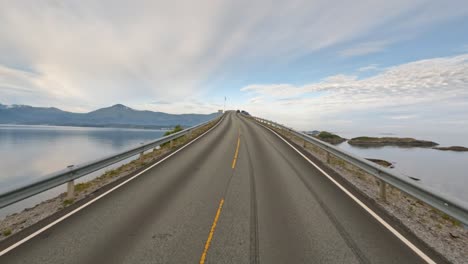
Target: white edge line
{"x": 359, "y": 202}
{"x": 8, "y": 249}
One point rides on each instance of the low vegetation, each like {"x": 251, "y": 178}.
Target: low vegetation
{"x": 68, "y": 202}
{"x": 390, "y": 141}
{"x": 330, "y": 138}
{"x": 175, "y": 130}
{"x": 80, "y": 187}
{"x": 6, "y": 232}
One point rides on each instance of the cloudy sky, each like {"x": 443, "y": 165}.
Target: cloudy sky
{"x": 396, "y": 65}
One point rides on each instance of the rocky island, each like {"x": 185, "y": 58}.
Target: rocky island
{"x": 390, "y": 141}
{"x": 330, "y": 137}
{"x": 453, "y": 148}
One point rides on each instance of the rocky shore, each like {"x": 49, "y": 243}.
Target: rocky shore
{"x": 330, "y": 138}
{"x": 452, "y": 148}
{"x": 381, "y": 162}
{"x": 390, "y": 141}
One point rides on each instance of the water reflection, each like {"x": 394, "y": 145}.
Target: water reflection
{"x": 443, "y": 171}
{"x": 115, "y": 138}
{"x": 29, "y": 152}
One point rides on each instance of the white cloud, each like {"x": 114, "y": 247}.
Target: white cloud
{"x": 365, "y": 48}
{"x": 438, "y": 85}
{"x": 371, "y": 67}
{"x": 85, "y": 54}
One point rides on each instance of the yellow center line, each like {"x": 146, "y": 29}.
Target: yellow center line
{"x": 212, "y": 230}
{"x": 237, "y": 152}
{"x": 215, "y": 221}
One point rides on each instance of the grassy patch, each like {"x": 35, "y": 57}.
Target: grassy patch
{"x": 175, "y": 130}
{"x": 6, "y": 232}
{"x": 83, "y": 186}
{"x": 450, "y": 219}
{"x": 68, "y": 202}
{"x": 364, "y": 138}
{"x": 327, "y": 135}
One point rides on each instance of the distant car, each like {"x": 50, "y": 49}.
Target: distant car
{"x": 238, "y": 111}
{"x": 245, "y": 112}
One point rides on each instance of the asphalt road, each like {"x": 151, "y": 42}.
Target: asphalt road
{"x": 237, "y": 195}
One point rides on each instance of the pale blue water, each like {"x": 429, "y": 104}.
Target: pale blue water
{"x": 29, "y": 152}
{"x": 443, "y": 171}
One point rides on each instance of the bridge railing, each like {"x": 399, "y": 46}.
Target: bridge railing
{"x": 386, "y": 176}
{"x": 72, "y": 172}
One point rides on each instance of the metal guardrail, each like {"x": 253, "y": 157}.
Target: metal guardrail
{"x": 71, "y": 173}
{"x": 387, "y": 176}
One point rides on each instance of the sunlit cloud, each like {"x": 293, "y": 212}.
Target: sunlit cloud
{"x": 440, "y": 84}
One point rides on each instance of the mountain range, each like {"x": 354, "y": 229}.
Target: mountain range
{"x": 115, "y": 116}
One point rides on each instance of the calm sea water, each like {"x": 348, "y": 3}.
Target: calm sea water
{"x": 443, "y": 171}
{"x": 30, "y": 152}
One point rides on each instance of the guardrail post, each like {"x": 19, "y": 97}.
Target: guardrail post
{"x": 383, "y": 190}
{"x": 328, "y": 157}
{"x": 303, "y": 143}
{"x": 70, "y": 190}
{"x": 143, "y": 152}
{"x": 171, "y": 144}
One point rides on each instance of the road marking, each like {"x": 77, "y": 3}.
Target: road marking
{"x": 100, "y": 196}
{"x": 359, "y": 202}
{"x": 237, "y": 152}
{"x": 220, "y": 207}
{"x": 212, "y": 230}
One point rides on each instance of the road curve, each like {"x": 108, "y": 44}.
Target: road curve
{"x": 239, "y": 194}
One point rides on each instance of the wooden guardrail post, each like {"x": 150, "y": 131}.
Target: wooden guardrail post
{"x": 70, "y": 190}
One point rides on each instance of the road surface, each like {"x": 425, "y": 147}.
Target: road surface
{"x": 239, "y": 194}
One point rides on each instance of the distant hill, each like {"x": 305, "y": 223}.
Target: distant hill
{"x": 115, "y": 116}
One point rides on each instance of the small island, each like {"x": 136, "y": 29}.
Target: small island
{"x": 453, "y": 148}
{"x": 330, "y": 138}
{"x": 390, "y": 141}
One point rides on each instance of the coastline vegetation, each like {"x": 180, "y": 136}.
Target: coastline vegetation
{"x": 390, "y": 141}
{"x": 330, "y": 138}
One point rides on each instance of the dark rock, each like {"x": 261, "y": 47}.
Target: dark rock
{"x": 384, "y": 163}
{"x": 390, "y": 141}
{"x": 452, "y": 148}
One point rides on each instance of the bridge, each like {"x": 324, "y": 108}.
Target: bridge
{"x": 239, "y": 193}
